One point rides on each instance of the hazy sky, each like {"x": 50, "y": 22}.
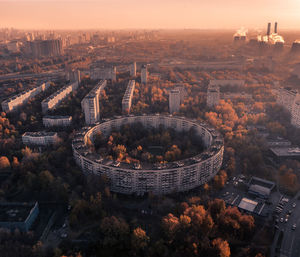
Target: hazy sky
{"x": 123, "y": 14}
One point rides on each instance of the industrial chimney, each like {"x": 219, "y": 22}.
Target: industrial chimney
{"x": 269, "y": 29}
{"x": 275, "y": 28}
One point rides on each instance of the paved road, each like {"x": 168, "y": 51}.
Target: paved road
{"x": 10, "y": 76}
{"x": 290, "y": 245}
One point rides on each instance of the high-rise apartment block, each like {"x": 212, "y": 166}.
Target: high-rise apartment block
{"x": 182, "y": 92}
{"x": 45, "y": 48}
{"x": 73, "y": 75}
{"x": 133, "y": 69}
{"x": 174, "y": 100}
{"x": 213, "y": 90}
{"x": 55, "y": 99}
{"x": 57, "y": 121}
{"x": 286, "y": 98}
{"x": 90, "y": 104}
{"x": 127, "y": 98}
{"x": 18, "y": 100}
{"x": 213, "y": 96}
{"x": 290, "y": 100}
{"x": 144, "y": 74}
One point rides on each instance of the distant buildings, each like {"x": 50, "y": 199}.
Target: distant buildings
{"x": 174, "y": 100}
{"x": 127, "y": 98}
{"x": 19, "y": 216}
{"x": 227, "y": 82}
{"x": 55, "y": 99}
{"x": 144, "y": 74}
{"x": 57, "y": 121}
{"x": 90, "y": 104}
{"x": 214, "y": 95}
{"x": 13, "y": 46}
{"x": 45, "y": 48}
{"x": 296, "y": 70}
{"x": 40, "y": 138}
{"x": 104, "y": 73}
{"x": 182, "y": 92}
{"x": 133, "y": 69}
{"x": 73, "y": 75}
{"x": 18, "y": 100}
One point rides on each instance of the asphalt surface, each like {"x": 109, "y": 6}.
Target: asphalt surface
{"x": 290, "y": 244}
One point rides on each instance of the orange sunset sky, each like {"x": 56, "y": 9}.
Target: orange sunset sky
{"x": 151, "y": 14}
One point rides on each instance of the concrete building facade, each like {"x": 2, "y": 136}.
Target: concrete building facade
{"x": 165, "y": 179}
{"x": 55, "y": 99}
{"x": 127, "y": 98}
{"x": 13, "y": 103}
{"x": 40, "y": 138}
{"x": 132, "y": 69}
{"x": 90, "y": 103}
{"x": 144, "y": 74}
{"x": 19, "y": 216}
{"x": 290, "y": 100}
{"x": 174, "y": 100}
{"x": 104, "y": 73}
{"x": 57, "y": 121}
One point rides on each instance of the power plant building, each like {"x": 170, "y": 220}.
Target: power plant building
{"x": 55, "y": 99}
{"x": 127, "y": 98}
{"x": 18, "y": 100}
{"x": 90, "y": 103}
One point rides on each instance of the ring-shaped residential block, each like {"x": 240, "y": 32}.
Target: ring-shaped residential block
{"x": 158, "y": 179}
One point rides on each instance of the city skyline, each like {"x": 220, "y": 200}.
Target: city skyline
{"x": 133, "y": 14}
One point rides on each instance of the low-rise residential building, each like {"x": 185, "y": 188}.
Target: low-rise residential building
{"x": 55, "y": 99}
{"x": 104, "y": 73}
{"x": 57, "y": 121}
{"x": 14, "y": 102}
{"x": 284, "y": 153}
{"x": 19, "y": 216}
{"x": 127, "y": 98}
{"x": 40, "y": 138}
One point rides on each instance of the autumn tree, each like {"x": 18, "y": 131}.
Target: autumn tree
{"x": 139, "y": 241}
{"x": 4, "y": 163}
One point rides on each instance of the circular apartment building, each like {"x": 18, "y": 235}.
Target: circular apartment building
{"x": 166, "y": 178}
